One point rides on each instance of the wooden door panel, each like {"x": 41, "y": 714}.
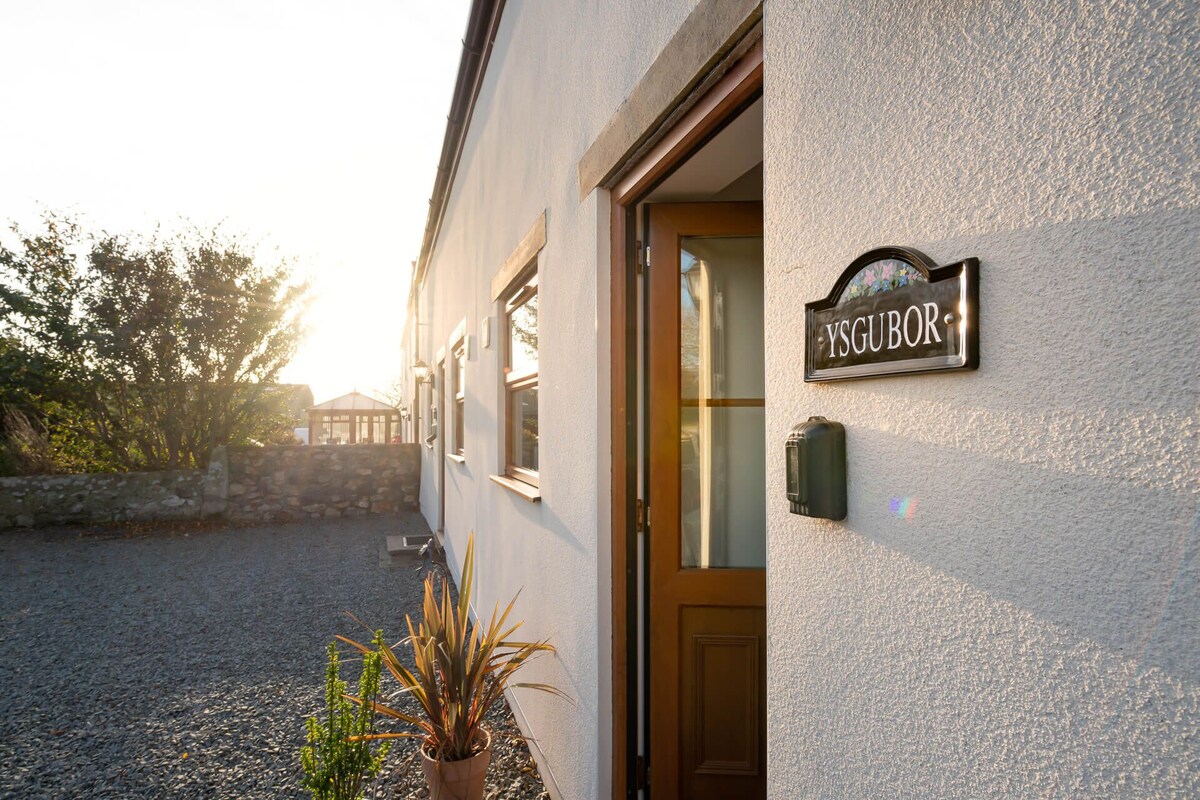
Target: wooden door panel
{"x": 722, "y": 697}
{"x": 696, "y": 586}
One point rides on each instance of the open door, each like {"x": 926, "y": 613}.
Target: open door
{"x": 707, "y": 509}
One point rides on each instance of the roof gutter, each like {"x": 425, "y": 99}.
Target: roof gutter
{"x": 482, "y": 22}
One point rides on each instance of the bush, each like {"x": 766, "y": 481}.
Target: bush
{"x": 337, "y": 763}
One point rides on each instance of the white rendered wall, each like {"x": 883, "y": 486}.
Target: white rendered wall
{"x": 558, "y": 73}
{"x": 1031, "y": 627}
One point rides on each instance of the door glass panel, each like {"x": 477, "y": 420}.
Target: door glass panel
{"x": 721, "y": 415}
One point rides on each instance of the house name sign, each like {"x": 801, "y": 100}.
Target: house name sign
{"x": 893, "y": 311}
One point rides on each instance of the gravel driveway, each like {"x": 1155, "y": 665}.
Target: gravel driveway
{"x": 181, "y": 662}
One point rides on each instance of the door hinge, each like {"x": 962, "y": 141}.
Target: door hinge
{"x": 641, "y": 774}
{"x": 640, "y": 258}
{"x": 640, "y": 522}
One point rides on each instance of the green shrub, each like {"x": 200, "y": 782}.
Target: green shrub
{"x": 335, "y": 768}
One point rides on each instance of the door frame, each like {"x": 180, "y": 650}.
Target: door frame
{"x": 741, "y": 85}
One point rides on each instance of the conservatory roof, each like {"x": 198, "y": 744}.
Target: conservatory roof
{"x": 352, "y": 402}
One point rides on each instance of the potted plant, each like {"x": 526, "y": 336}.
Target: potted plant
{"x": 461, "y": 669}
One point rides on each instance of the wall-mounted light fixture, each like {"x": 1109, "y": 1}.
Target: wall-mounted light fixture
{"x": 422, "y": 371}
{"x": 694, "y": 275}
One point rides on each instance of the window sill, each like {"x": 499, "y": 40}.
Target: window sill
{"x": 456, "y": 458}
{"x": 524, "y": 490}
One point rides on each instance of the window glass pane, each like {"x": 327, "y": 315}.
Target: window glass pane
{"x": 435, "y": 403}
{"x": 339, "y": 429}
{"x": 523, "y": 428}
{"x": 461, "y": 380}
{"x": 723, "y": 504}
{"x": 430, "y": 421}
{"x": 523, "y": 337}
{"x": 721, "y": 414}
{"x": 721, "y": 317}
{"x": 459, "y": 426}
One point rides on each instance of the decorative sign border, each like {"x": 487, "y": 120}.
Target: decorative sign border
{"x": 966, "y": 272}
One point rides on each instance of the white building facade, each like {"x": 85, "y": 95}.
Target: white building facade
{"x": 1011, "y": 605}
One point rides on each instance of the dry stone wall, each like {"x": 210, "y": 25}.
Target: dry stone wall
{"x": 240, "y": 484}
{"x": 105, "y": 497}
{"x": 300, "y": 481}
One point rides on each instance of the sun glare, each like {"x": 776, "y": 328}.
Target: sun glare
{"x": 314, "y": 133}
{"x": 355, "y": 325}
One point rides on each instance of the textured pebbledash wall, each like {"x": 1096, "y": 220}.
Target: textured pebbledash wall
{"x": 556, "y": 76}
{"x": 240, "y": 484}
{"x": 1028, "y": 623}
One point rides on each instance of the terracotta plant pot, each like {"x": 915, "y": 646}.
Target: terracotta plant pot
{"x": 458, "y": 780}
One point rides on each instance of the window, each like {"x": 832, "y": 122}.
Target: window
{"x": 521, "y": 383}
{"x": 431, "y": 419}
{"x": 418, "y": 413}
{"x": 339, "y": 429}
{"x": 459, "y": 379}
{"x": 371, "y": 428}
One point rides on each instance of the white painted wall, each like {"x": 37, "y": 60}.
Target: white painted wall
{"x": 1033, "y": 629}
{"x": 1032, "y": 626}
{"x": 557, "y": 74}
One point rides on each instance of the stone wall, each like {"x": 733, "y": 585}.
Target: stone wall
{"x": 240, "y": 484}
{"x": 104, "y": 497}
{"x": 321, "y": 481}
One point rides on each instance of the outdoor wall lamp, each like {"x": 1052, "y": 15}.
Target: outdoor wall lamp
{"x": 422, "y": 371}
{"x": 694, "y": 275}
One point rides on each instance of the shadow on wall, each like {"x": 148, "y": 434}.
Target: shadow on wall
{"x": 509, "y": 570}
{"x": 1114, "y": 562}
{"x": 1092, "y": 315}
{"x": 962, "y": 694}
{"x": 1062, "y": 475}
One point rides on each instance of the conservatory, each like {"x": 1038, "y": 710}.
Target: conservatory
{"x": 352, "y": 419}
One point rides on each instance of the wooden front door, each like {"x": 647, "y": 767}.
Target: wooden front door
{"x": 707, "y": 504}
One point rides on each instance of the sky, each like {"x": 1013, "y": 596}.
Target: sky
{"x": 311, "y": 128}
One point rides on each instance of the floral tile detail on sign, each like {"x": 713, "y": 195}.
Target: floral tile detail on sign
{"x": 881, "y": 276}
